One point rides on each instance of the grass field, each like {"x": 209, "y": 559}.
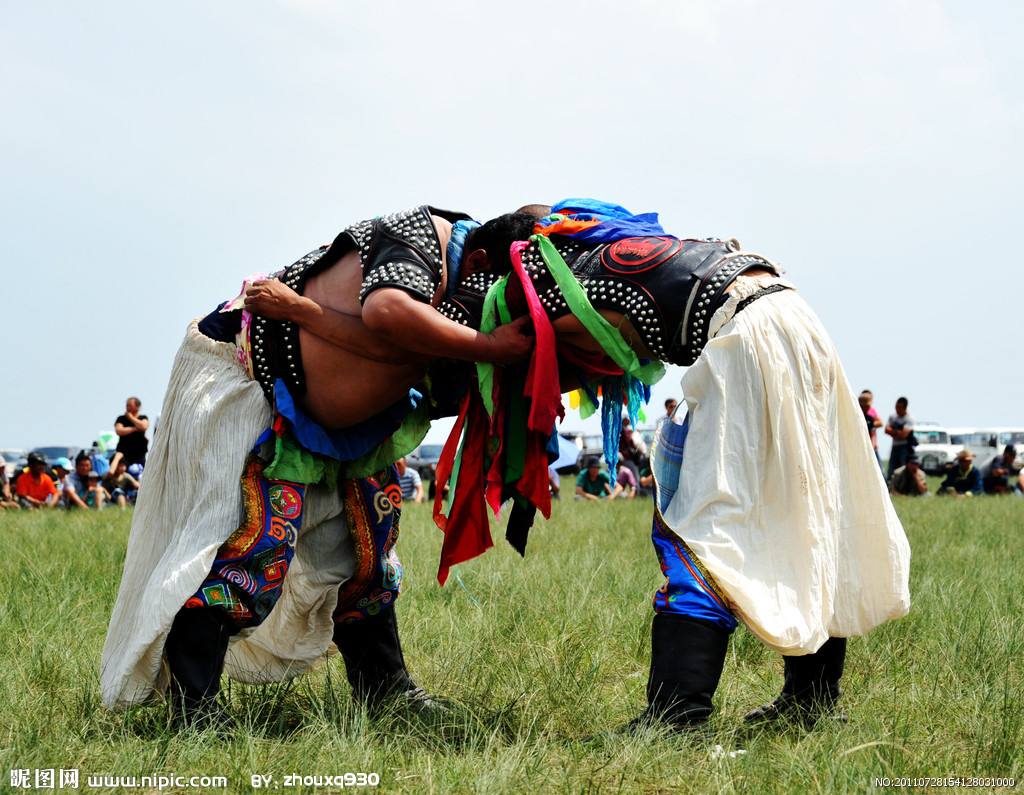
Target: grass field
{"x": 535, "y": 654}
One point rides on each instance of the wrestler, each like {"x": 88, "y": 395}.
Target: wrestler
{"x": 770, "y": 506}
{"x": 743, "y": 531}
{"x": 202, "y": 592}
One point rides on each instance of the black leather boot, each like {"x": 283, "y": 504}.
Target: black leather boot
{"x": 195, "y": 651}
{"x": 376, "y": 668}
{"x": 687, "y": 657}
{"x": 810, "y": 689}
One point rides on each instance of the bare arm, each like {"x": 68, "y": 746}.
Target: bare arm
{"x": 399, "y": 317}
{"x": 272, "y": 299}
{"x": 72, "y": 495}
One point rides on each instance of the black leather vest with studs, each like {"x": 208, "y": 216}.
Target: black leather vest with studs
{"x": 668, "y": 289}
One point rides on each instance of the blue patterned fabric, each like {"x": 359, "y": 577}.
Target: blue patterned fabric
{"x": 687, "y": 589}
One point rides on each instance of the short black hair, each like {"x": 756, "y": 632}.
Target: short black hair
{"x": 82, "y": 456}
{"x": 497, "y": 236}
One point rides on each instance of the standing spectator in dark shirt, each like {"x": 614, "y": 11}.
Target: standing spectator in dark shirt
{"x": 963, "y": 480}
{"x": 995, "y": 473}
{"x": 131, "y": 428}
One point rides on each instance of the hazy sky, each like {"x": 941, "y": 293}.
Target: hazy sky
{"x": 154, "y": 154}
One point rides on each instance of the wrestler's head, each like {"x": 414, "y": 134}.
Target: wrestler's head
{"x": 487, "y": 246}
{"x": 536, "y": 210}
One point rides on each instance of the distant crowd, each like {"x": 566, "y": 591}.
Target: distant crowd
{"x": 904, "y": 475}
{"x": 93, "y": 482}
{"x": 962, "y": 478}
{"x": 90, "y": 482}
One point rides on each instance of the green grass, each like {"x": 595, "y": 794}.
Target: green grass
{"x": 535, "y": 654}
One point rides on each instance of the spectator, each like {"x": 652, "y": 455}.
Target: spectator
{"x": 996, "y": 471}
{"x": 625, "y": 483}
{"x": 6, "y": 499}
{"x": 35, "y": 489}
{"x": 96, "y": 496}
{"x": 554, "y": 482}
{"x": 963, "y": 479}
{"x": 131, "y": 429}
{"x": 909, "y": 479}
{"x": 79, "y": 492}
{"x": 670, "y": 408}
{"x": 873, "y": 421}
{"x": 593, "y": 482}
{"x": 410, "y": 481}
{"x": 901, "y": 428}
{"x": 120, "y": 485}
{"x": 632, "y": 449}
{"x": 100, "y": 464}
{"x": 62, "y": 467}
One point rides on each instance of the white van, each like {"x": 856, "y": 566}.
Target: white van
{"x": 935, "y": 450}
{"x": 986, "y": 442}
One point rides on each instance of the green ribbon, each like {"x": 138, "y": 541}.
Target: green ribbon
{"x": 605, "y": 334}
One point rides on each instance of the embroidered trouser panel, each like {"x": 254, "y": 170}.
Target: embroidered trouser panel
{"x": 246, "y": 578}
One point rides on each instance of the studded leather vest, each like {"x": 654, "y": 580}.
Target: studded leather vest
{"x": 668, "y": 289}
{"x": 397, "y": 250}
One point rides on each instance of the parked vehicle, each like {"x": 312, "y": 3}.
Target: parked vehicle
{"x": 935, "y": 449}
{"x": 53, "y": 453}
{"x": 16, "y": 461}
{"x": 986, "y": 442}
{"x": 424, "y": 460}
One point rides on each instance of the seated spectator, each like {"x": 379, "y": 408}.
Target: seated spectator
{"x": 62, "y": 467}
{"x": 632, "y": 449}
{"x": 625, "y": 483}
{"x": 96, "y": 496}
{"x": 79, "y": 492}
{"x": 909, "y": 480}
{"x": 6, "y": 499}
{"x": 35, "y": 488}
{"x": 593, "y": 482}
{"x": 996, "y": 471}
{"x": 100, "y": 464}
{"x": 410, "y": 481}
{"x": 121, "y": 486}
{"x": 963, "y": 480}
{"x": 554, "y": 482}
